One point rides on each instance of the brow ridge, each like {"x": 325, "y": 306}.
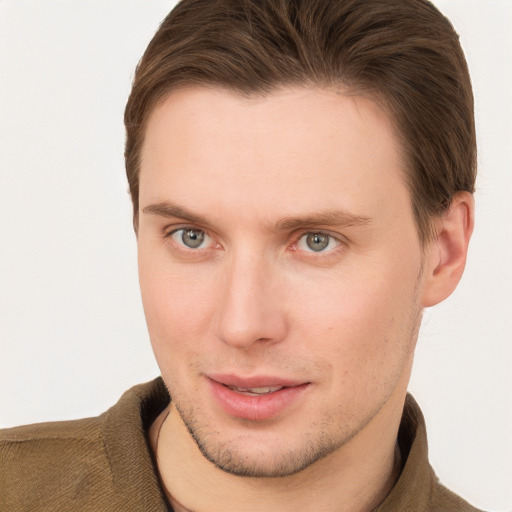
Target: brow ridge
{"x": 170, "y": 210}
{"x": 340, "y": 218}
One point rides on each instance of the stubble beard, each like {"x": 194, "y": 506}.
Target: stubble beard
{"x": 285, "y": 462}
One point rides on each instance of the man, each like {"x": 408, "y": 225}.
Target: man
{"x": 302, "y": 177}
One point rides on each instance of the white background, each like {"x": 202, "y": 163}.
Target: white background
{"x": 72, "y": 331}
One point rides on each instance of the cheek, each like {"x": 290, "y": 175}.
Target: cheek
{"x": 364, "y": 326}
{"x": 177, "y": 305}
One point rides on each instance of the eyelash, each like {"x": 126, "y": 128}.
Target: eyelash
{"x": 294, "y": 246}
{"x": 182, "y": 247}
{"x": 330, "y": 239}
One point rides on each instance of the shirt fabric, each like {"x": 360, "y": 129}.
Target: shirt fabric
{"x": 105, "y": 464}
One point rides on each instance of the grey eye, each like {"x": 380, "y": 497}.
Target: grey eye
{"x": 317, "y": 241}
{"x": 190, "y": 238}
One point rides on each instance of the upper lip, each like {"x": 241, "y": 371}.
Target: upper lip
{"x": 254, "y": 381}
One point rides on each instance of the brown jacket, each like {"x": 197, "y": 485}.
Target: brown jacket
{"x": 104, "y": 464}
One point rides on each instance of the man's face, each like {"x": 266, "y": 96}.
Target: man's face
{"x": 280, "y": 269}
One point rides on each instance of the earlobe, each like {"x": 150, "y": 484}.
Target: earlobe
{"x": 446, "y": 253}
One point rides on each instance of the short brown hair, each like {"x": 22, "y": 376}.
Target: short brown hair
{"x": 404, "y": 52}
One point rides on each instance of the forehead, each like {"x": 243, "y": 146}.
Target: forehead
{"x": 302, "y": 147}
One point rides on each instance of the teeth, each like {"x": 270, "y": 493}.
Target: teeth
{"x": 255, "y": 391}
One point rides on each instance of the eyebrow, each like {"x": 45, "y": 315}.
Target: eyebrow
{"x": 173, "y": 211}
{"x": 334, "y": 218}
{"x": 338, "y": 218}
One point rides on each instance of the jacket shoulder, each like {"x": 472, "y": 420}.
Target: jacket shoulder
{"x": 444, "y": 499}
{"x": 53, "y": 466}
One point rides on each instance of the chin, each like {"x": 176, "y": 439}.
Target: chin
{"x": 263, "y": 463}
{"x": 272, "y": 452}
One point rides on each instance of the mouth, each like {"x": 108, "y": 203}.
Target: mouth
{"x": 255, "y": 391}
{"x": 256, "y": 398}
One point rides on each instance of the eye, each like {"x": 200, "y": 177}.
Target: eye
{"x": 317, "y": 242}
{"x": 191, "y": 238}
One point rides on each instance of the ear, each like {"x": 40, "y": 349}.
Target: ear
{"x": 446, "y": 252}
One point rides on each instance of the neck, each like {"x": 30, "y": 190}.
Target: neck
{"x": 355, "y": 478}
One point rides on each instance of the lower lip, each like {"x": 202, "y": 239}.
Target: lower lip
{"x": 256, "y": 408}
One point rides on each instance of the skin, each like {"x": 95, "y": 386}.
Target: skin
{"x": 256, "y": 176}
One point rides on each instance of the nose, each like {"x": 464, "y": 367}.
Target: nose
{"x": 251, "y": 309}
